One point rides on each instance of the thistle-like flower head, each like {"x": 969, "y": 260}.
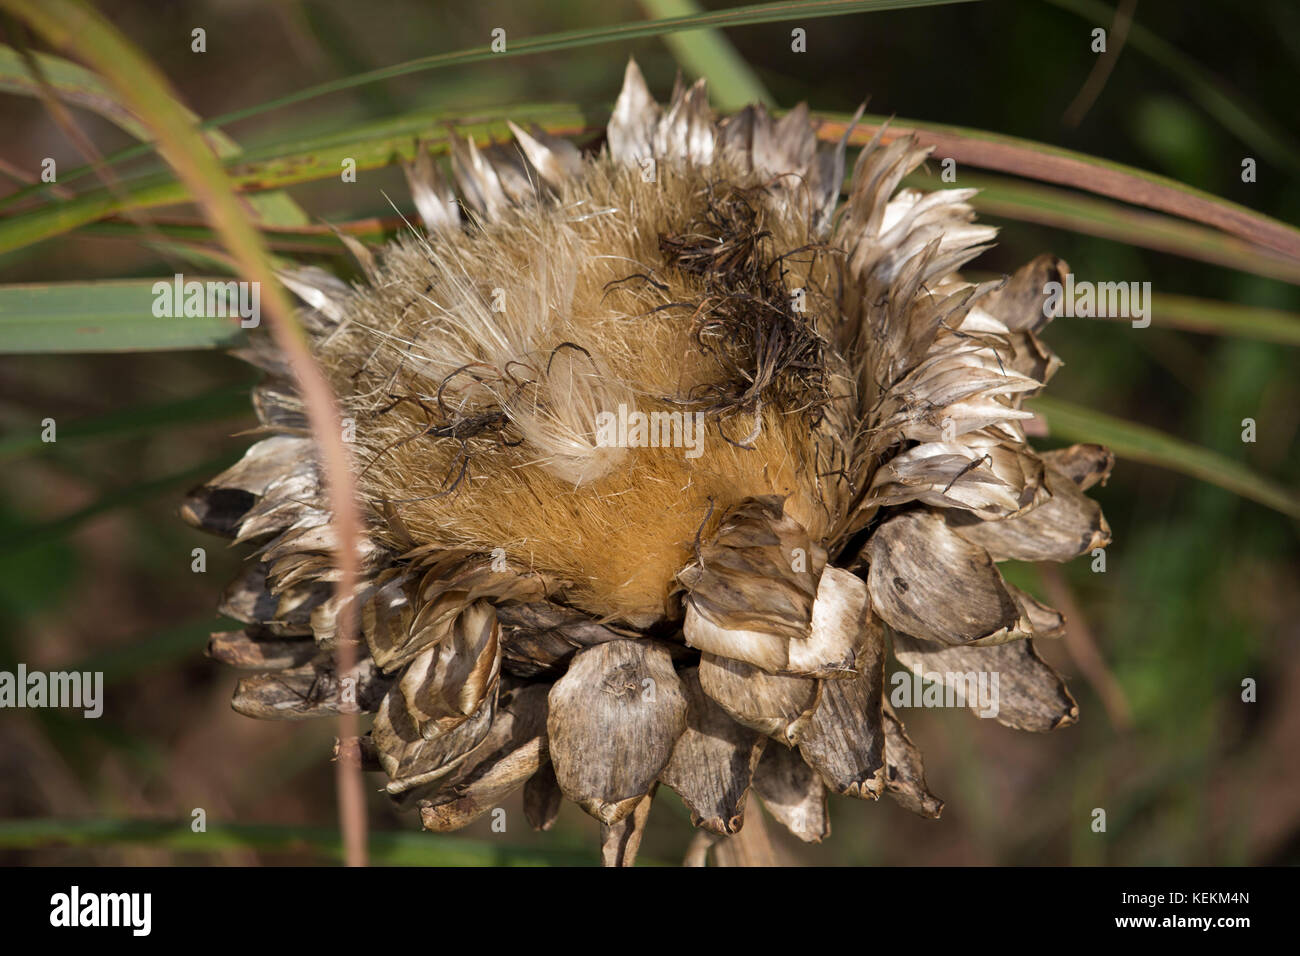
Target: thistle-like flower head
{"x": 663, "y": 448}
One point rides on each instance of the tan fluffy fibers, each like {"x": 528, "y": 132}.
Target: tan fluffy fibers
{"x": 512, "y": 338}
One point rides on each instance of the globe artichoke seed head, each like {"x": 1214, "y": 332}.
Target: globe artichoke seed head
{"x": 661, "y": 452}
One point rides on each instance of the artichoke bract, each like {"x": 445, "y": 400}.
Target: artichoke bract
{"x": 662, "y": 449}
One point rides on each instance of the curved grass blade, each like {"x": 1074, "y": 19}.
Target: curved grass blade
{"x": 372, "y": 147}
{"x": 71, "y": 24}
{"x": 1048, "y": 206}
{"x": 1142, "y": 443}
{"x": 1222, "y": 318}
{"x": 1207, "y": 316}
{"x": 733, "y": 85}
{"x": 378, "y": 144}
{"x": 113, "y": 315}
{"x": 388, "y": 848}
{"x": 1065, "y": 167}
{"x": 75, "y": 85}
{"x": 78, "y": 86}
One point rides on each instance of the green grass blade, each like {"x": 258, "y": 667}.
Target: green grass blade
{"x": 1150, "y": 446}
{"x": 370, "y": 147}
{"x": 1000, "y": 197}
{"x": 1046, "y": 205}
{"x": 1226, "y": 318}
{"x": 390, "y": 848}
{"x": 733, "y": 85}
{"x": 1222, "y": 318}
{"x": 78, "y": 86}
{"x": 105, "y": 316}
{"x": 1208, "y": 316}
{"x": 1065, "y": 167}
{"x": 376, "y": 145}
{"x": 73, "y": 84}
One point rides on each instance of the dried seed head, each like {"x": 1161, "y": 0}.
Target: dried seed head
{"x": 659, "y": 448}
